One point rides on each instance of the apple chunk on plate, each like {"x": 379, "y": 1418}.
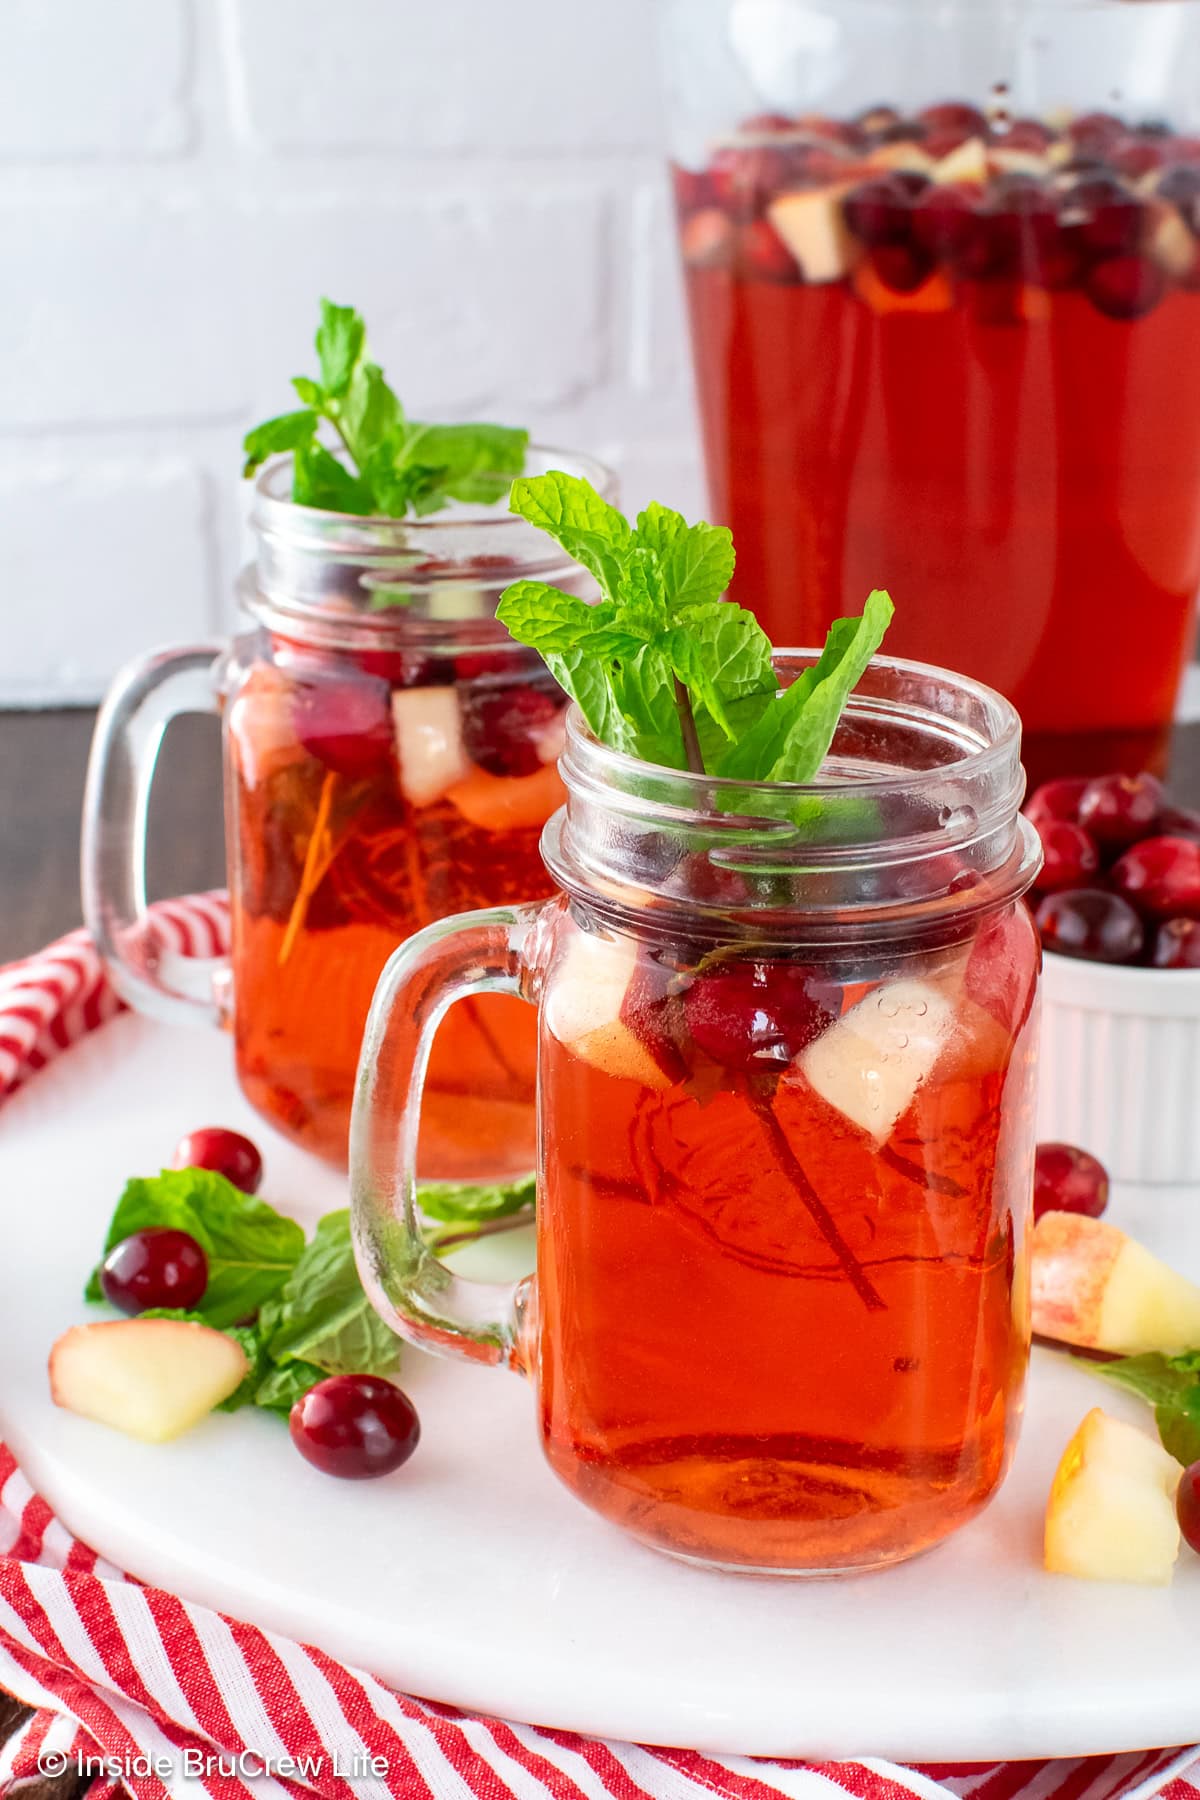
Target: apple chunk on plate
{"x": 589, "y": 1005}
{"x": 150, "y": 1378}
{"x": 1111, "y": 1511}
{"x": 1096, "y": 1287}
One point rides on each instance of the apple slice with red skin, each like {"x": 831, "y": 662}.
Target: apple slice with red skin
{"x": 1096, "y": 1287}
{"x": 150, "y": 1378}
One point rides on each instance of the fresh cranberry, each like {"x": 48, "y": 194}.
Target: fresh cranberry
{"x": 399, "y": 668}
{"x": 902, "y": 267}
{"x": 1136, "y": 156}
{"x": 347, "y": 725}
{"x": 1095, "y": 134}
{"x": 1125, "y": 287}
{"x": 1026, "y": 134}
{"x": 1117, "y": 810}
{"x": 503, "y": 725}
{"x": 945, "y": 220}
{"x": 654, "y": 1014}
{"x": 475, "y": 665}
{"x": 1092, "y": 923}
{"x": 708, "y": 239}
{"x": 226, "y": 1152}
{"x": 750, "y": 1015}
{"x": 693, "y": 189}
{"x": 762, "y": 253}
{"x": 1161, "y": 877}
{"x": 1176, "y": 944}
{"x": 1102, "y": 217}
{"x": 878, "y": 212}
{"x": 1069, "y": 857}
{"x": 154, "y": 1267}
{"x": 355, "y": 1427}
{"x": 1058, "y": 799}
{"x": 1068, "y": 1180}
{"x": 1187, "y": 1505}
{"x": 953, "y": 119}
{"x": 745, "y": 178}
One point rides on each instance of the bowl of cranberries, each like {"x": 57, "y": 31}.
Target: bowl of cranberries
{"x": 1117, "y": 903}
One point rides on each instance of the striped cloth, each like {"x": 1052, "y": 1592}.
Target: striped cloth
{"x": 138, "y": 1688}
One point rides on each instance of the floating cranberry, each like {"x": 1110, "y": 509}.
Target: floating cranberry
{"x": 1095, "y": 134}
{"x": 399, "y": 668}
{"x": 902, "y": 267}
{"x": 503, "y": 726}
{"x": 1161, "y": 877}
{"x": 1058, "y": 799}
{"x": 1117, "y": 810}
{"x": 745, "y": 179}
{"x": 1025, "y": 134}
{"x": 226, "y": 1152}
{"x": 1125, "y": 287}
{"x": 1069, "y": 857}
{"x": 762, "y": 253}
{"x": 708, "y": 239}
{"x": 750, "y": 1015}
{"x": 1187, "y": 1505}
{"x": 654, "y": 1013}
{"x": 1176, "y": 944}
{"x": 945, "y": 220}
{"x": 473, "y": 665}
{"x": 355, "y": 1427}
{"x": 347, "y": 725}
{"x": 1103, "y": 217}
{"x": 1092, "y": 923}
{"x": 953, "y": 119}
{"x": 1136, "y": 156}
{"x": 155, "y": 1267}
{"x": 878, "y": 212}
{"x": 693, "y": 189}
{"x": 1068, "y": 1180}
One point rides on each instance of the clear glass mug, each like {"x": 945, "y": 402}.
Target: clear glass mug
{"x": 942, "y": 266}
{"x": 390, "y": 758}
{"x": 780, "y": 1320}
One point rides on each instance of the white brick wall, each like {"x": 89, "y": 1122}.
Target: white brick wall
{"x": 181, "y": 179}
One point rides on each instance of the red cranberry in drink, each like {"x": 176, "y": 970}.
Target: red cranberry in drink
{"x": 1117, "y": 810}
{"x": 708, "y": 239}
{"x": 1025, "y": 134}
{"x": 1058, "y": 799}
{"x": 954, "y": 120}
{"x": 745, "y": 179}
{"x": 1103, "y": 217}
{"x": 1092, "y": 923}
{"x": 1068, "y": 1180}
{"x": 347, "y": 725}
{"x": 1125, "y": 287}
{"x": 1161, "y": 877}
{"x": 1135, "y": 156}
{"x": 1187, "y": 1505}
{"x": 226, "y": 1152}
{"x": 503, "y": 725}
{"x": 1095, "y": 134}
{"x": 693, "y": 189}
{"x": 1069, "y": 857}
{"x": 1176, "y": 944}
{"x": 878, "y": 212}
{"x": 355, "y": 1427}
{"x": 763, "y": 255}
{"x": 945, "y": 220}
{"x": 902, "y": 267}
{"x": 154, "y": 1268}
{"x": 655, "y": 1015}
{"x": 756, "y": 1016}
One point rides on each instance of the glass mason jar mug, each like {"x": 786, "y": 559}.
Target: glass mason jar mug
{"x": 780, "y": 1320}
{"x": 390, "y": 758}
{"x": 942, "y": 262}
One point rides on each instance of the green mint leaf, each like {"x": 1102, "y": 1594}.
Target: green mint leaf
{"x": 369, "y": 416}
{"x": 643, "y": 592}
{"x": 323, "y": 1317}
{"x": 468, "y": 1203}
{"x": 697, "y": 561}
{"x": 721, "y": 654}
{"x": 792, "y": 737}
{"x": 311, "y": 392}
{"x": 319, "y": 479}
{"x": 543, "y": 617}
{"x": 251, "y": 1248}
{"x": 644, "y": 694}
{"x": 1171, "y": 1385}
{"x": 570, "y": 511}
{"x": 290, "y": 431}
{"x": 341, "y": 339}
{"x": 473, "y": 462}
{"x": 280, "y": 1388}
{"x": 586, "y": 680}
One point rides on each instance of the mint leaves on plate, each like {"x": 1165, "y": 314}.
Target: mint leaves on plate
{"x": 662, "y": 667}
{"x": 1171, "y": 1385}
{"x": 297, "y": 1308}
{"x": 396, "y": 466}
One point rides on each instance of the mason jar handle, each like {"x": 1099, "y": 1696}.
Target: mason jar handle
{"x": 493, "y": 951}
{"x": 145, "y": 970}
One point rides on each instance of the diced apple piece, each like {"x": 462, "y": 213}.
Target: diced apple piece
{"x": 508, "y": 802}
{"x": 870, "y": 1063}
{"x": 584, "y": 1009}
{"x": 1169, "y": 241}
{"x": 1111, "y": 1511}
{"x": 150, "y": 1378}
{"x": 262, "y": 725}
{"x": 902, "y": 155}
{"x": 813, "y": 227}
{"x": 1096, "y": 1287}
{"x": 966, "y": 162}
{"x": 429, "y": 742}
{"x": 1018, "y": 162}
{"x": 551, "y": 740}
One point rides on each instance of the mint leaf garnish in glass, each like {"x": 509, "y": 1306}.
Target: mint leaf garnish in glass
{"x": 661, "y": 666}
{"x": 392, "y": 466}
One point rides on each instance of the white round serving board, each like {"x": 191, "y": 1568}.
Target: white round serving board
{"x": 472, "y": 1577}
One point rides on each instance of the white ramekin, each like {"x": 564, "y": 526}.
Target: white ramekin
{"x": 1120, "y": 1066}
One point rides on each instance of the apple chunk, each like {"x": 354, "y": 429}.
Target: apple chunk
{"x": 870, "y": 1064}
{"x": 1096, "y": 1287}
{"x": 429, "y": 742}
{"x": 150, "y": 1378}
{"x": 587, "y": 1009}
{"x": 813, "y": 226}
{"x": 1111, "y": 1511}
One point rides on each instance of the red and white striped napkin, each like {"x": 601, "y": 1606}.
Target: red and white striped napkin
{"x": 140, "y": 1688}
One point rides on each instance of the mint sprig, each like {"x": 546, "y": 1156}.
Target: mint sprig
{"x": 662, "y": 667}
{"x": 1171, "y": 1385}
{"x": 396, "y": 466}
